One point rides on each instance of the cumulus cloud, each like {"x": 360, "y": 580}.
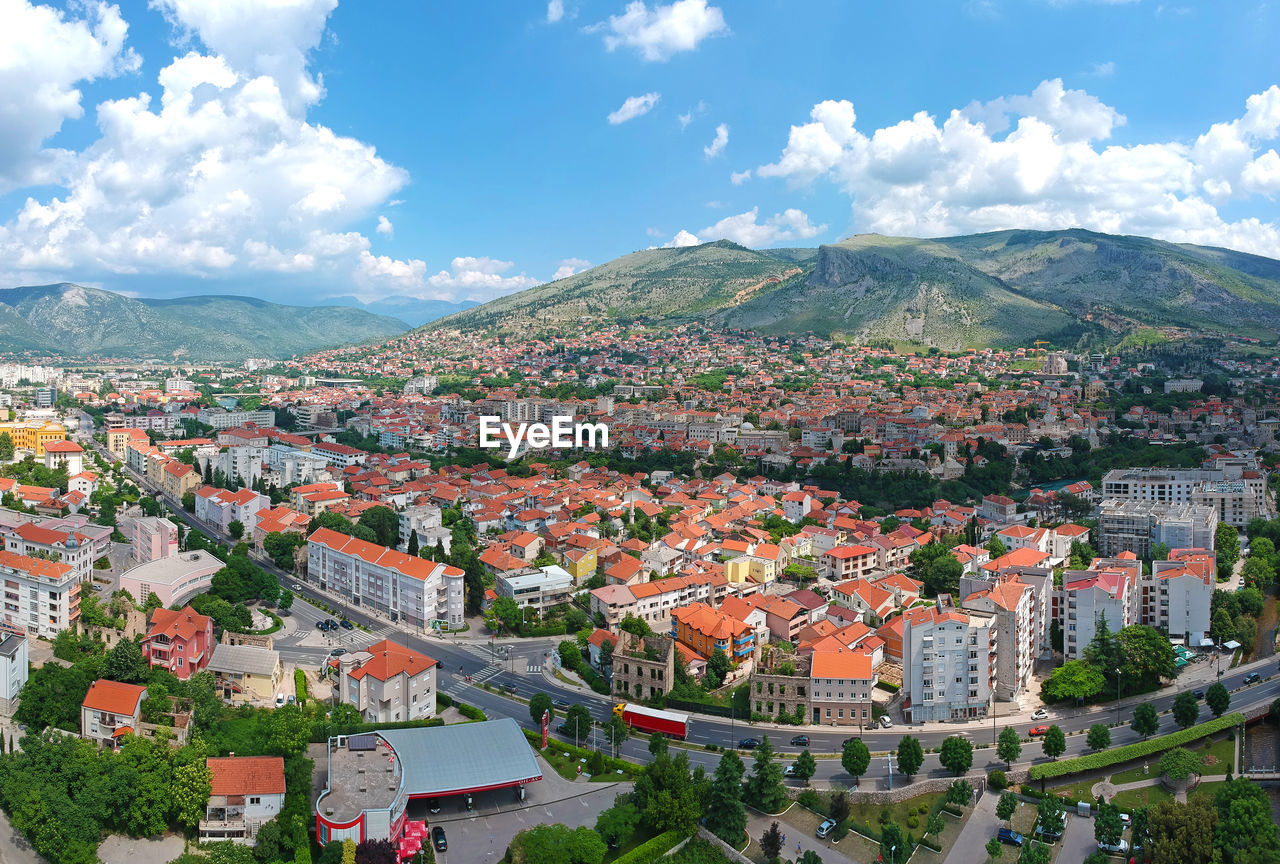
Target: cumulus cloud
{"x": 737, "y": 178}
{"x": 555, "y": 11}
{"x": 659, "y": 32}
{"x": 790, "y": 224}
{"x": 469, "y": 278}
{"x": 569, "y": 266}
{"x": 682, "y": 238}
{"x": 634, "y": 107}
{"x": 1041, "y": 161}
{"x": 716, "y": 147}
{"x": 385, "y": 226}
{"x": 44, "y": 53}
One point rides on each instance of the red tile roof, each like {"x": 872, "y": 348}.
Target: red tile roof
{"x": 390, "y": 659}
{"x": 113, "y": 697}
{"x": 247, "y": 775}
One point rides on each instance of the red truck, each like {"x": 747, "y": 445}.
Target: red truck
{"x": 653, "y": 720}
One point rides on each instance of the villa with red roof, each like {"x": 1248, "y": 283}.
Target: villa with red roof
{"x": 245, "y": 792}
{"x": 388, "y": 682}
{"x": 848, "y": 562}
{"x": 110, "y": 711}
{"x": 180, "y": 641}
{"x": 67, "y": 455}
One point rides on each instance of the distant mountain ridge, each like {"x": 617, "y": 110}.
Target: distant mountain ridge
{"x": 998, "y": 288}
{"x": 77, "y": 320}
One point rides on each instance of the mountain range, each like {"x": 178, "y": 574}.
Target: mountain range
{"x": 998, "y": 288}
{"x": 70, "y": 319}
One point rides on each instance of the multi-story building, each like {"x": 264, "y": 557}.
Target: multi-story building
{"x": 13, "y": 670}
{"x": 1017, "y": 610}
{"x": 221, "y": 507}
{"x": 1088, "y": 596}
{"x": 1235, "y": 486}
{"x": 64, "y": 455}
{"x": 387, "y": 682}
{"x": 653, "y": 602}
{"x": 948, "y": 662}
{"x": 151, "y": 537}
{"x": 33, "y": 435}
{"x": 178, "y": 479}
{"x": 408, "y": 588}
{"x": 246, "y": 673}
{"x": 173, "y": 579}
{"x": 643, "y": 666}
{"x": 704, "y": 629}
{"x": 421, "y": 519}
{"x": 1176, "y": 596}
{"x": 66, "y": 546}
{"x": 340, "y": 454}
{"x": 538, "y": 589}
{"x": 1137, "y": 526}
{"x": 848, "y": 562}
{"x": 840, "y": 685}
{"x": 180, "y": 641}
{"x": 220, "y": 418}
{"x": 41, "y": 597}
{"x": 110, "y": 711}
{"x": 245, "y": 793}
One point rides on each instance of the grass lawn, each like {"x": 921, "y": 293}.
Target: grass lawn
{"x": 568, "y": 768}
{"x": 866, "y": 817}
{"x": 1081, "y": 791}
{"x": 1147, "y": 796}
{"x": 1136, "y": 774}
{"x": 1207, "y": 790}
{"x": 1215, "y": 758}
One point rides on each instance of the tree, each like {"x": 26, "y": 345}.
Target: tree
{"x": 718, "y": 667}
{"x": 1186, "y": 709}
{"x": 367, "y": 852}
{"x": 1227, "y": 542}
{"x": 1103, "y": 652}
{"x": 288, "y": 731}
{"x": 771, "y": 842}
{"x": 838, "y": 805}
{"x": 1099, "y": 737}
{"x": 124, "y": 663}
{"x": 6, "y": 447}
{"x": 765, "y": 789}
{"x": 1182, "y": 832}
{"x": 1035, "y": 853}
{"x": 726, "y": 814}
{"x": 618, "y": 823}
{"x": 1179, "y": 763}
{"x": 910, "y": 755}
{"x": 1146, "y": 722}
{"x": 1075, "y": 679}
{"x": 577, "y": 722}
{"x": 556, "y": 844}
{"x": 615, "y": 732}
{"x": 805, "y": 766}
{"x": 956, "y": 755}
{"x": 995, "y": 548}
{"x": 506, "y": 614}
{"x": 1054, "y": 742}
{"x": 994, "y": 848}
{"x": 1107, "y": 827}
{"x": 959, "y": 792}
{"x": 412, "y": 548}
{"x": 384, "y": 523}
{"x": 1148, "y": 657}
{"x": 1009, "y": 745}
{"x": 1140, "y": 829}
{"x": 1257, "y": 572}
{"x": 1222, "y": 628}
{"x": 893, "y": 845}
{"x": 189, "y": 502}
{"x": 191, "y": 786}
{"x": 1246, "y": 832}
{"x": 1217, "y": 698}
{"x": 236, "y": 529}
{"x": 1051, "y": 815}
{"x": 538, "y": 705}
{"x": 1006, "y": 806}
{"x": 856, "y": 758}
{"x": 286, "y": 599}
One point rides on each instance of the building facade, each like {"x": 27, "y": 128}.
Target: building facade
{"x": 388, "y": 682}
{"x": 948, "y": 662}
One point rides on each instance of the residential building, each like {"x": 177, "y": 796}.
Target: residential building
{"x": 220, "y": 418}
{"x": 1137, "y": 526}
{"x": 180, "y": 641}
{"x": 110, "y": 711}
{"x": 998, "y": 509}
{"x": 246, "y": 673}
{"x": 948, "y": 662}
{"x": 705, "y": 629}
{"x": 66, "y": 546}
{"x": 41, "y": 597}
{"x": 65, "y": 455}
{"x": 408, "y": 588}
{"x": 35, "y": 435}
{"x": 840, "y": 686}
{"x": 151, "y": 538}
{"x": 1087, "y": 596}
{"x": 179, "y": 478}
{"x": 388, "y": 682}
{"x": 221, "y": 507}
{"x": 1017, "y": 611}
{"x": 245, "y": 793}
{"x": 340, "y": 454}
{"x": 653, "y": 602}
{"x": 538, "y": 589}
{"x": 1175, "y": 598}
{"x": 848, "y": 562}
{"x": 13, "y": 670}
{"x": 643, "y": 667}
{"x": 1235, "y": 487}
{"x": 174, "y": 579}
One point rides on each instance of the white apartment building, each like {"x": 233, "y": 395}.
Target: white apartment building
{"x": 13, "y": 670}
{"x": 1136, "y": 526}
{"x": 420, "y": 518}
{"x": 1235, "y": 487}
{"x": 1176, "y": 596}
{"x": 408, "y": 588}
{"x": 387, "y": 682}
{"x": 1017, "y": 611}
{"x": 948, "y": 662}
{"x": 30, "y": 539}
{"x": 40, "y": 597}
{"x": 220, "y": 418}
{"x": 221, "y": 507}
{"x": 1087, "y": 596}
{"x": 653, "y": 602}
{"x": 538, "y": 589}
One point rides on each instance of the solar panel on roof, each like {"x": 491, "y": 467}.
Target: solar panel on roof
{"x": 367, "y": 741}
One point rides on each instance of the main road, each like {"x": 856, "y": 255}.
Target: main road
{"x": 510, "y": 664}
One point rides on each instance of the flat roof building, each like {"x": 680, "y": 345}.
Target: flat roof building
{"x": 172, "y": 579}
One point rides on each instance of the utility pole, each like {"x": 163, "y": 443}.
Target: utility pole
{"x": 1117, "y": 697}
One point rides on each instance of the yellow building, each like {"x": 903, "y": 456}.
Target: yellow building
{"x": 34, "y": 435}
{"x": 581, "y": 563}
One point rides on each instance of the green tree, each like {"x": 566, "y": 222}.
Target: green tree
{"x": 1146, "y": 722}
{"x": 1104, "y": 653}
{"x": 771, "y": 843}
{"x": 1107, "y": 827}
{"x": 189, "y": 501}
{"x": 1009, "y": 745}
{"x": 615, "y": 732}
{"x": 1217, "y": 698}
{"x": 893, "y": 844}
{"x": 384, "y": 523}
{"x": 1099, "y": 737}
{"x": 718, "y": 667}
{"x": 838, "y": 805}
{"x": 765, "y": 789}
{"x": 1227, "y": 542}
{"x": 1148, "y": 657}
{"x": 994, "y": 848}
{"x": 1245, "y": 831}
{"x": 1140, "y": 829}
{"x": 6, "y": 447}
{"x": 577, "y": 722}
{"x": 1006, "y": 806}
{"x": 557, "y": 844}
{"x": 1054, "y": 742}
{"x": 1186, "y": 709}
{"x": 959, "y": 792}
{"x": 412, "y": 548}
{"x": 1179, "y": 763}
{"x": 236, "y": 529}
{"x": 1257, "y": 572}
{"x": 288, "y": 731}
{"x": 910, "y": 755}
{"x": 1075, "y": 679}
{"x": 1182, "y": 832}
{"x": 855, "y": 758}
{"x": 1035, "y": 853}
{"x": 619, "y": 822}
{"x": 1051, "y": 815}
{"x": 124, "y": 663}
{"x": 539, "y": 704}
{"x": 995, "y": 548}
{"x": 726, "y": 814}
{"x": 956, "y": 755}
{"x": 805, "y": 766}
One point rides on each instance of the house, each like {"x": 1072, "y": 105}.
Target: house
{"x": 245, "y": 793}
{"x": 595, "y": 646}
{"x": 998, "y": 508}
{"x": 13, "y": 670}
{"x": 581, "y": 563}
{"x": 864, "y": 597}
{"x": 539, "y": 589}
{"x": 110, "y": 711}
{"x": 180, "y": 641}
{"x": 840, "y": 687}
{"x": 848, "y": 562}
{"x": 705, "y": 629}
{"x": 65, "y": 455}
{"x": 388, "y": 682}
{"x": 246, "y": 673}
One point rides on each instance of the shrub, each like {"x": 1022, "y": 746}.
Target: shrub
{"x": 1116, "y": 755}
{"x": 471, "y": 712}
{"x": 811, "y": 799}
{"x": 651, "y": 850}
{"x": 913, "y": 821}
{"x": 923, "y": 809}
{"x": 443, "y": 700}
{"x": 997, "y": 780}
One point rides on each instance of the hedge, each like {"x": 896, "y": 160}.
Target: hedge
{"x": 1116, "y": 755}
{"x": 651, "y": 850}
{"x": 889, "y": 686}
{"x": 471, "y": 712}
{"x": 300, "y": 684}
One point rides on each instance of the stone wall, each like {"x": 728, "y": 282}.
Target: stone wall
{"x": 730, "y": 853}
{"x": 253, "y": 640}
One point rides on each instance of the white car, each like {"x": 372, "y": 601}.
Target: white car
{"x": 1040, "y": 714}
{"x": 885, "y": 722}
{"x": 1121, "y": 847}
{"x": 295, "y": 587}
{"x": 279, "y": 700}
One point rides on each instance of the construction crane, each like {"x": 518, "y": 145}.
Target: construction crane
{"x": 1040, "y": 342}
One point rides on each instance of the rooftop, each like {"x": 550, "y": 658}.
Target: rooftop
{"x": 175, "y": 568}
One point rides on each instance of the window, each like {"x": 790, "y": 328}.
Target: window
{"x": 254, "y": 799}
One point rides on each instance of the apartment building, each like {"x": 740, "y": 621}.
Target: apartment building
{"x": 178, "y": 479}
{"x": 151, "y": 538}
{"x": 220, "y": 418}
{"x": 1016, "y": 609}
{"x": 64, "y": 545}
{"x": 178, "y": 640}
{"x": 653, "y": 602}
{"x": 41, "y": 597}
{"x": 65, "y": 455}
{"x": 408, "y": 588}
{"x": 948, "y": 662}
{"x": 1176, "y": 596}
{"x": 1137, "y": 526}
{"x": 221, "y": 507}
{"x": 848, "y": 562}
{"x": 1087, "y": 596}
{"x": 388, "y": 682}
{"x": 13, "y": 670}
{"x": 1236, "y": 487}
{"x": 840, "y": 685}
{"x": 704, "y": 629}
{"x": 110, "y": 711}
{"x": 340, "y": 454}
{"x": 538, "y": 589}
{"x": 245, "y": 793}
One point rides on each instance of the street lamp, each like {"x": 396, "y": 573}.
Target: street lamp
{"x": 1117, "y": 696}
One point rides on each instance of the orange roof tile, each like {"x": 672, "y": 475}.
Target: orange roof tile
{"x": 246, "y": 775}
{"x": 390, "y": 659}
{"x": 113, "y": 697}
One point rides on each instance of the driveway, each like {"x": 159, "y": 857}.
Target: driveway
{"x": 970, "y": 846}
{"x": 1077, "y": 839}
{"x": 758, "y": 824}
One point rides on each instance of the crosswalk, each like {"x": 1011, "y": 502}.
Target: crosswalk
{"x": 534, "y": 670}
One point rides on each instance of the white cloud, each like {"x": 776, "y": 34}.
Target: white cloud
{"x": 737, "y": 178}
{"x": 44, "y": 53}
{"x": 1104, "y": 70}
{"x": 664, "y": 30}
{"x": 790, "y": 224}
{"x": 555, "y": 11}
{"x": 973, "y": 171}
{"x": 716, "y": 147}
{"x": 569, "y": 266}
{"x": 683, "y": 238}
{"x": 687, "y": 117}
{"x": 635, "y": 106}
{"x": 469, "y": 278}
{"x": 385, "y": 226}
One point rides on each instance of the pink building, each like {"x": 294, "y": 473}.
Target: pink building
{"x": 153, "y": 538}
{"x": 180, "y": 641}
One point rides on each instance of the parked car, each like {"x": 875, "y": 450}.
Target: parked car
{"x": 437, "y": 839}
{"x": 1038, "y": 730}
{"x": 1121, "y": 847}
{"x": 800, "y": 741}
{"x": 295, "y": 587}
{"x": 321, "y": 626}
{"x": 433, "y": 805}
{"x": 1252, "y": 677}
{"x": 1039, "y": 714}
{"x": 885, "y": 721}
{"x": 1199, "y": 694}
{"x": 827, "y": 826}
{"x": 279, "y": 700}
{"x": 789, "y": 771}
{"x": 346, "y": 625}
{"x": 1125, "y": 819}
{"x": 1046, "y": 836}
{"x": 748, "y": 743}
{"x": 1008, "y": 835}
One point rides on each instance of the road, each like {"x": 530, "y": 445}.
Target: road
{"x": 518, "y": 662}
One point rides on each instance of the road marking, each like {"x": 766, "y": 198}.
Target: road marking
{"x": 533, "y": 669}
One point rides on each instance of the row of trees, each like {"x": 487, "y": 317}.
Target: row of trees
{"x": 1131, "y": 661}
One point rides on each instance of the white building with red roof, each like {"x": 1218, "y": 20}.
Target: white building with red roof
{"x": 67, "y": 455}
{"x": 221, "y": 507}
{"x": 948, "y": 662}
{"x": 245, "y": 793}
{"x": 110, "y": 711}
{"x": 387, "y": 682}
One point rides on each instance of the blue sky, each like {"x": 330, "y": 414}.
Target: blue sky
{"x": 306, "y": 150}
